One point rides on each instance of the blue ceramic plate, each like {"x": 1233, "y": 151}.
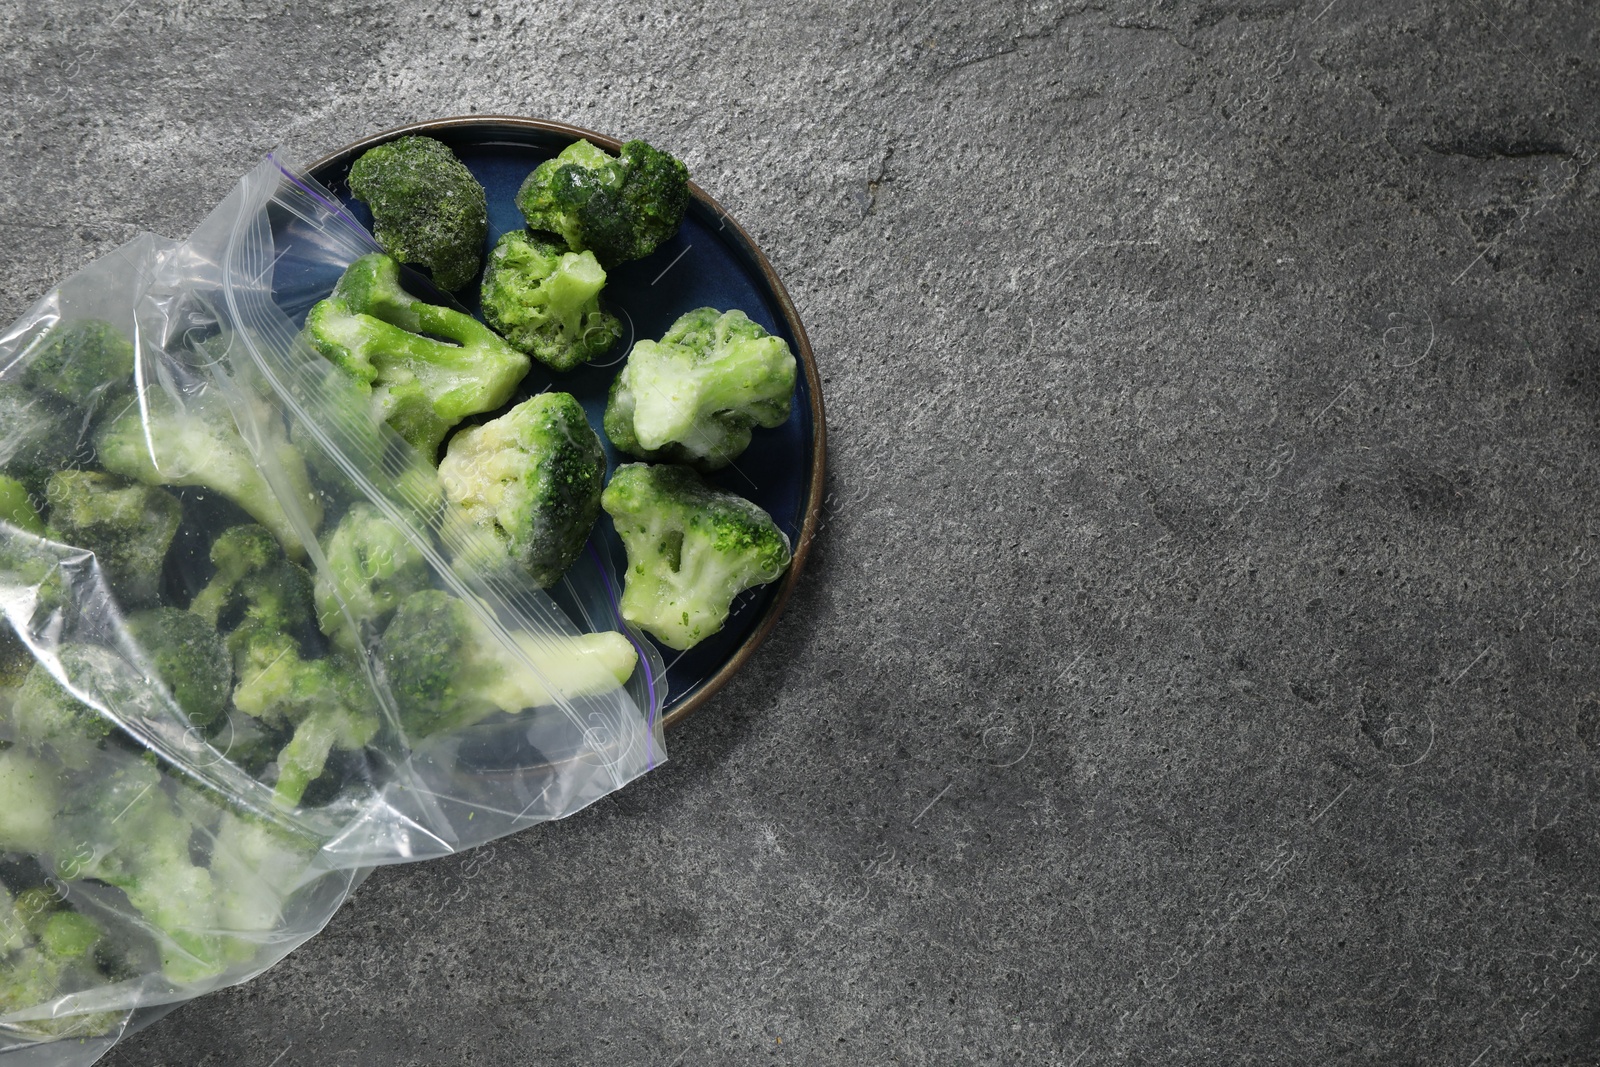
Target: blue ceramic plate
{"x": 711, "y": 262}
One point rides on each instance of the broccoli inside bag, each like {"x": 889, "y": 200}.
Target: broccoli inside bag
{"x": 246, "y": 661}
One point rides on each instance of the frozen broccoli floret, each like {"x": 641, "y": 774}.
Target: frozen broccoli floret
{"x": 38, "y": 436}
{"x": 371, "y": 566}
{"x": 546, "y": 300}
{"x": 83, "y": 362}
{"x": 447, "y": 670}
{"x": 622, "y": 207}
{"x": 530, "y": 479}
{"x": 139, "y": 839}
{"x": 693, "y": 396}
{"x": 16, "y": 506}
{"x": 45, "y": 953}
{"x": 128, "y": 527}
{"x": 190, "y": 658}
{"x": 256, "y": 587}
{"x": 46, "y": 716}
{"x": 30, "y": 796}
{"x": 325, "y": 701}
{"x": 427, "y": 208}
{"x": 198, "y": 444}
{"x": 427, "y": 367}
{"x": 691, "y": 550}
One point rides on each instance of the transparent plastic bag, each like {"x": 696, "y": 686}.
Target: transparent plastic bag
{"x": 207, "y": 741}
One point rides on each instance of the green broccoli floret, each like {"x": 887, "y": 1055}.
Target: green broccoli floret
{"x": 531, "y": 479}
{"x": 30, "y": 796}
{"x": 84, "y": 363}
{"x": 691, "y": 550}
{"x": 427, "y": 367}
{"x": 16, "y": 506}
{"x": 447, "y": 670}
{"x": 128, "y": 527}
{"x": 693, "y": 396}
{"x": 46, "y": 716}
{"x": 621, "y": 206}
{"x": 427, "y": 208}
{"x": 137, "y": 837}
{"x": 199, "y": 444}
{"x": 371, "y": 566}
{"x": 546, "y": 300}
{"x": 256, "y": 588}
{"x": 38, "y": 436}
{"x": 326, "y": 701}
{"x": 46, "y": 953}
{"x": 190, "y": 658}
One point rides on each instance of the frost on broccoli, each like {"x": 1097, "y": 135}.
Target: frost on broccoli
{"x": 427, "y": 208}
{"x": 693, "y": 396}
{"x": 691, "y": 550}
{"x": 530, "y": 480}
{"x": 447, "y": 670}
{"x": 85, "y": 363}
{"x": 546, "y": 300}
{"x": 17, "y": 507}
{"x": 197, "y": 443}
{"x": 427, "y": 367}
{"x": 190, "y": 659}
{"x": 127, "y": 526}
{"x": 325, "y": 702}
{"x": 47, "y": 951}
{"x": 622, "y": 207}
{"x": 38, "y": 437}
{"x": 47, "y": 718}
{"x": 371, "y": 566}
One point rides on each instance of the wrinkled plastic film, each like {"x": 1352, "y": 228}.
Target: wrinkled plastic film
{"x": 120, "y": 815}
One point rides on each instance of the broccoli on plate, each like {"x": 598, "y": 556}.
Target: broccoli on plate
{"x": 427, "y": 208}
{"x": 531, "y": 479}
{"x": 691, "y": 550}
{"x": 693, "y": 396}
{"x": 546, "y": 300}
{"x": 447, "y": 670}
{"x": 427, "y": 367}
{"x": 622, "y": 207}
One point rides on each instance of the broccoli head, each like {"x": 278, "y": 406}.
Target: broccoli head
{"x": 691, "y": 550}
{"x": 30, "y": 796}
{"x": 693, "y": 396}
{"x": 190, "y": 658}
{"x": 427, "y": 367}
{"x": 128, "y": 527}
{"x": 531, "y": 479}
{"x": 325, "y": 701}
{"x": 46, "y": 952}
{"x": 198, "y": 444}
{"x": 82, "y": 362}
{"x": 546, "y": 300}
{"x": 16, "y": 506}
{"x": 47, "y": 717}
{"x": 427, "y": 208}
{"x": 38, "y": 436}
{"x": 447, "y": 670}
{"x": 256, "y": 587}
{"x": 371, "y": 566}
{"x": 622, "y": 207}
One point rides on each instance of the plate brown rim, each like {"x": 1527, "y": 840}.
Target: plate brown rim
{"x": 819, "y": 448}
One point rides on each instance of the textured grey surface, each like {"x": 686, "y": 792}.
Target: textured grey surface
{"x": 1198, "y": 661}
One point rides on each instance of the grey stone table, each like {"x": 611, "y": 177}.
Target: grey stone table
{"x": 1198, "y": 663}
